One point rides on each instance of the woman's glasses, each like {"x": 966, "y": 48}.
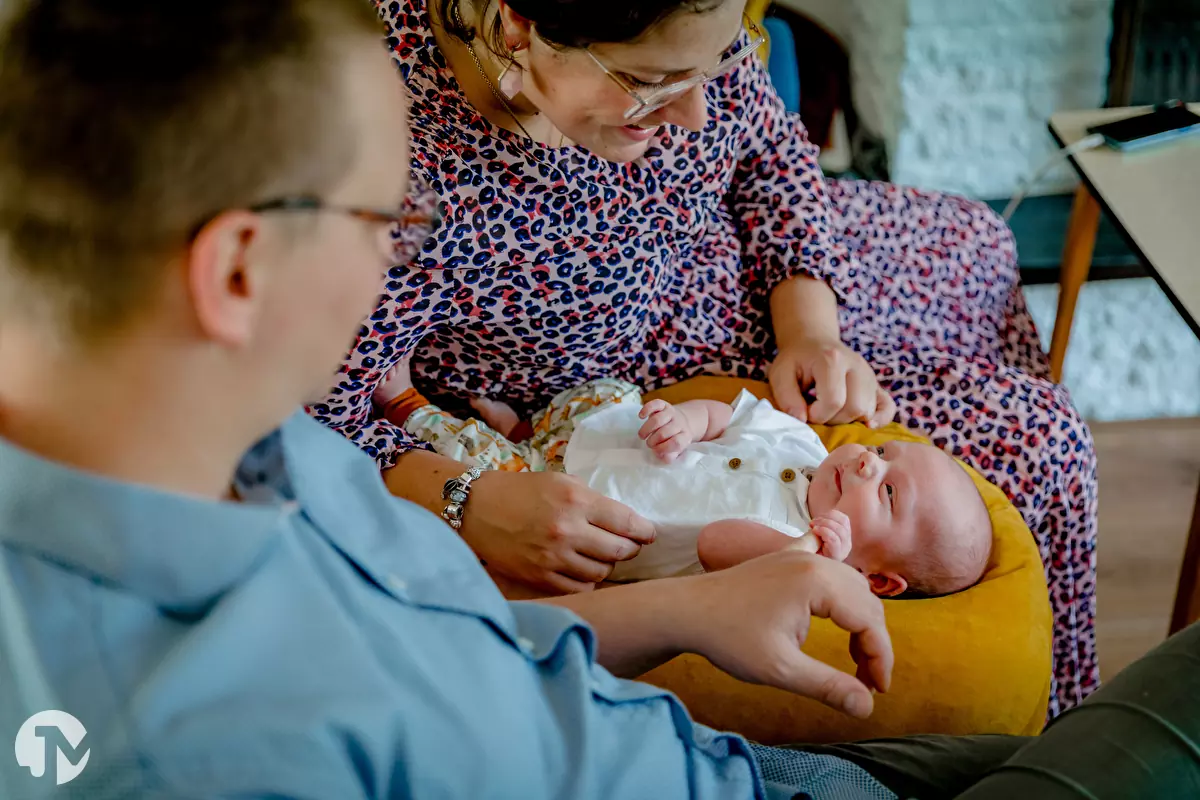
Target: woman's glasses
{"x": 648, "y": 100}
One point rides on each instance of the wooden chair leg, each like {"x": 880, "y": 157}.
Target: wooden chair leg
{"x": 1187, "y": 595}
{"x": 1076, "y": 262}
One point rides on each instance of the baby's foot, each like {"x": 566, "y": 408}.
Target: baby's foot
{"x": 499, "y": 416}
{"x": 396, "y": 382}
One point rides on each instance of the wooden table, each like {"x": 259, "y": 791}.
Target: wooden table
{"x": 1153, "y": 198}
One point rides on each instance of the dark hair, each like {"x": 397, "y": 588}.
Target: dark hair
{"x": 575, "y": 23}
{"x": 123, "y": 127}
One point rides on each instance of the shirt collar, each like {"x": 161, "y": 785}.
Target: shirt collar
{"x": 181, "y": 552}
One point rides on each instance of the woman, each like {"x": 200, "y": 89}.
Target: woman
{"x": 623, "y": 195}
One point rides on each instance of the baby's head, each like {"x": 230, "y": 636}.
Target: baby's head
{"x": 917, "y": 522}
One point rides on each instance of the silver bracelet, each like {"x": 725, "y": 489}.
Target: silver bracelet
{"x": 455, "y": 493}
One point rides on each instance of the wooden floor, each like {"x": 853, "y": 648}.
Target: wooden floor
{"x": 1148, "y": 476}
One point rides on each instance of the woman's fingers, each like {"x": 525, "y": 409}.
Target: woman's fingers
{"x": 829, "y": 384}
{"x": 847, "y": 390}
{"x": 566, "y": 585}
{"x": 620, "y": 519}
{"x": 860, "y": 396}
{"x": 885, "y": 409}
{"x": 785, "y": 388}
{"x": 601, "y": 546}
{"x": 588, "y": 570}
{"x": 844, "y": 384}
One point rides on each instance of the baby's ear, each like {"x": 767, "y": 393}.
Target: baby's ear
{"x": 887, "y": 584}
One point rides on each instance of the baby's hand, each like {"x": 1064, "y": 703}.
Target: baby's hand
{"x": 832, "y": 530}
{"x": 667, "y": 431}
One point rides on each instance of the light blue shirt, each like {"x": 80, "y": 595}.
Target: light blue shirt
{"x": 324, "y": 641}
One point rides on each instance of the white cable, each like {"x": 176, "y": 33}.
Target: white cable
{"x": 1083, "y": 145}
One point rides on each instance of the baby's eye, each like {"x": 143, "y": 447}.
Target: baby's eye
{"x": 891, "y": 493}
{"x": 880, "y": 451}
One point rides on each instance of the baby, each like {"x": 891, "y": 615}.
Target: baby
{"x": 726, "y": 483}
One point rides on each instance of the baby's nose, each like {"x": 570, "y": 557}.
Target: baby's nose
{"x": 866, "y": 464}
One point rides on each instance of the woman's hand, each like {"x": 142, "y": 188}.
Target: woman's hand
{"x": 549, "y": 531}
{"x": 842, "y": 381}
{"x": 812, "y": 358}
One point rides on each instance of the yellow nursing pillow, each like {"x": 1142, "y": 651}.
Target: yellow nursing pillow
{"x": 974, "y": 662}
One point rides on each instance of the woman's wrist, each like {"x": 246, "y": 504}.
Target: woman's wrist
{"x": 483, "y": 499}
{"x": 804, "y": 311}
{"x": 456, "y": 492}
{"x": 420, "y": 477}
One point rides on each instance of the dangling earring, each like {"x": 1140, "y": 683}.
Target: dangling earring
{"x": 512, "y": 79}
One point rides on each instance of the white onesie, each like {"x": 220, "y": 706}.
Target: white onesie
{"x": 753, "y": 471}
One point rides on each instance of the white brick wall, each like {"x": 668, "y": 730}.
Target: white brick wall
{"x": 877, "y": 58}
{"x": 960, "y": 90}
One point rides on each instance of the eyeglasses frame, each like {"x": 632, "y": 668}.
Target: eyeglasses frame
{"x": 648, "y": 103}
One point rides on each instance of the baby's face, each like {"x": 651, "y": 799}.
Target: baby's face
{"x": 891, "y": 494}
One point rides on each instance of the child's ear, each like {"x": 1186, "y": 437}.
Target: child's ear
{"x": 887, "y": 584}
{"x": 224, "y": 290}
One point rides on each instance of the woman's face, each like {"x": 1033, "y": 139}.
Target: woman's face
{"x": 574, "y": 92}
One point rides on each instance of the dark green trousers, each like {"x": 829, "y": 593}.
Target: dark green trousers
{"x": 1138, "y": 738}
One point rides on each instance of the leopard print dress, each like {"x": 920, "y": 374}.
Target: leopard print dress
{"x": 551, "y": 267}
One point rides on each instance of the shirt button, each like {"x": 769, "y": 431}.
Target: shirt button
{"x": 788, "y": 475}
{"x": 735, "y": 463}
{"x": 526, "y": 645}
{"x": 397, "y": 584}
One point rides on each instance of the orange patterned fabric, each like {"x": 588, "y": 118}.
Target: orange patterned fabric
{"x": 401, "y": 408}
